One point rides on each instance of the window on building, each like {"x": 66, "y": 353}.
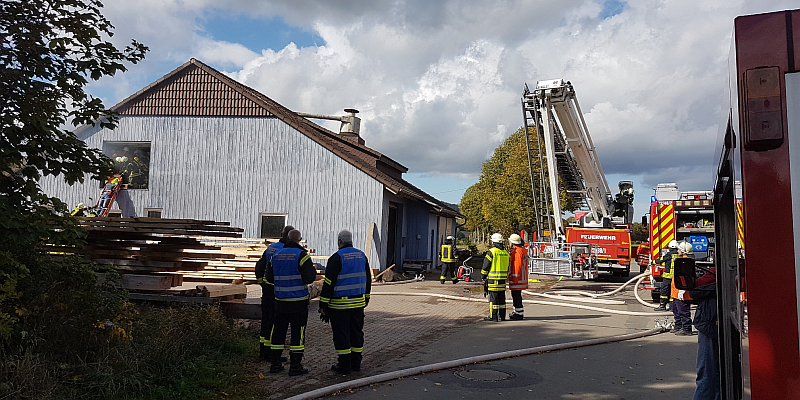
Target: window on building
{"x": 131, "y": 160}
{"x": 153, "y": 212}
{"x": 271, "y": 225}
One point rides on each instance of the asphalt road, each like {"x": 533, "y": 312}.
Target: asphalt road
{"x": 661, "y": 366}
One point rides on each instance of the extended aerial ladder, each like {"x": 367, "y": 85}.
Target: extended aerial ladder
{"x": 566, "y": 153}
{"x": 553, "y": 109}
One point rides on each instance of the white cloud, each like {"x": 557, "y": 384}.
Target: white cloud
{"x": 439, "y": 82}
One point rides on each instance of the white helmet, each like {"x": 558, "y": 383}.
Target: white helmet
{"x": 673, "y": 244}
{"x": 497, "y": 238}
{"x": 449, "y": 238}
{"x": 515, "y": 239}
{"x": 686, "y": 247}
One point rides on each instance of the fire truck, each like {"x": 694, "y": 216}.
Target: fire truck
{"x": 566, "y": 157}
{"x": 757, "y": 239}
{"x": 682, "y": 216}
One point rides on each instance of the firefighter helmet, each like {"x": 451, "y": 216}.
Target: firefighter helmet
{"x": 515, "y": 239}
{"x": 673, "y": 244}
{"x": 497, "y": 238}
{"x": 449, "y": 238}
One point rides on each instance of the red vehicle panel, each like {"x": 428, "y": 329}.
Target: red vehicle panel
{"x": 612, "y": 244}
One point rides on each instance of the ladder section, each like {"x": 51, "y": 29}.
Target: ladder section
{"x": 579, "y": 167}
{"x": 536, "y": 165}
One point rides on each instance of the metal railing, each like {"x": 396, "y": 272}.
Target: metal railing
{"x": 574, "y": 260}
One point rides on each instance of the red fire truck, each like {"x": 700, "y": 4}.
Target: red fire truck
{"x": 682, "y": 216}
{"x": 613, "y": 247}
{"x": 758, "y": 301}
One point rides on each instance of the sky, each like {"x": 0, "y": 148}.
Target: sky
{"x": 438, "y": 83}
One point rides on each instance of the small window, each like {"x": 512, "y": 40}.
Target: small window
{"x": 271, "y": 225}
{"x": 153, "y": 212}
{"x": 132, "y": 161}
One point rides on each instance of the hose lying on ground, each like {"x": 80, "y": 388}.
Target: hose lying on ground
{"x": 547, "y": 303}
{"x": 466, "y": 361}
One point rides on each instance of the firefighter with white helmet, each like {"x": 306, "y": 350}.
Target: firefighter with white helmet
{"x": 681, "y": 311}
{"x": 449, "y": 260}
{"x": 517, "y": 274}
{"x": 666, "y": 260}
{"x": 495, "y": 274}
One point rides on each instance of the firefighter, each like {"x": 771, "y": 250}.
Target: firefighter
{"x": 345, "y": 294}
{"x": 290, "y": 271}
{"x": 705, "y": 320}
{"x": 268, "y": 294}
{"x": 666, "y": 260}
{"x": 449, "y": 260}
{"x": 517, "y": 274}
{"x": 495, "y": 273}
{"x": 681, "y": 311}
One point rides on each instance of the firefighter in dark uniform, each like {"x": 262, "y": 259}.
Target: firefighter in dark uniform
{"x": 449, "y": 260}
{"x": 290, "y": 271}
{"x": 495, "y": 273}
{"x": 666, "y": 281}
{"x": 268, "y": 294}
{"x": 345, "y": 294}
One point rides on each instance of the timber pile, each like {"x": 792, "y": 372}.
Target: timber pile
{"x": 153, "y": 254}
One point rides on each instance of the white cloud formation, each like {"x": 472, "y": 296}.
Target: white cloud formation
{"x": 438, "y": 82}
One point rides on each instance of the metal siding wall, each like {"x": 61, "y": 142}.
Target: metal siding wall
{"x": 231, "y": 169}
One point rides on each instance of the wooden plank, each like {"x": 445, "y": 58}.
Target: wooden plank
{"x": 146, "y": 282}
{"x": 221, "y": 290}
{"x": 368, "y": 244}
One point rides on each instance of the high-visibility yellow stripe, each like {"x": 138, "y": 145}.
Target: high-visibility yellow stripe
{"x": 304, "y": 259}
{"x": 740, "y": 222}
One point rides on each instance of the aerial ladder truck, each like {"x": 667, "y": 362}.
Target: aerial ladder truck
{"x": 600, "y": 237}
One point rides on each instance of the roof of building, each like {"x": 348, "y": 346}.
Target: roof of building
{"x": 196, "y": 89}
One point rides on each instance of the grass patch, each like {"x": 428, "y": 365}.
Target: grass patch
{"x": 187, "y": 352}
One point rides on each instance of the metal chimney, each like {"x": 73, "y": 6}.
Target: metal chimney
{"x": 351, "y": 125}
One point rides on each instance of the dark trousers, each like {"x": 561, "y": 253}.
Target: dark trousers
{"x": 497, "y": 305}
{"x": 516, "y": 298}
{"x": 267, "y": 319}
{"x": 448, "y": 267}
{"x": 666, "y": 285}
{"x": 708, "y": 383}
{"x": 682, "y": 313}
{"x": 348, "y": 336}
{"x": 298, "y": 321}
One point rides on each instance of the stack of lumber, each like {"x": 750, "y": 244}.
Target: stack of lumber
{"x": 153, "y": 253}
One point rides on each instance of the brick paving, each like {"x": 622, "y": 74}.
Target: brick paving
{"x": 395, "y": 325}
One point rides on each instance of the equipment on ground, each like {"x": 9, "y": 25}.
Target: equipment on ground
{"x": 465, "y": 271}
{"x": 566, "y": 157}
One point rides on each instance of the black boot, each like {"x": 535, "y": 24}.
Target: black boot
{"x": 263, "y": 352}
{"x": 275, "y": 357}
{"x": 355, "y": 361}
{"x": 295, "y": 368}
{"x": 662, "y": 306}
{"x": 343, "y": 366}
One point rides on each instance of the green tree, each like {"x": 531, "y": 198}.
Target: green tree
{"x": 639, "y": 233}
{"x": 502, "y": 199}
{"x": 50, "y": 49}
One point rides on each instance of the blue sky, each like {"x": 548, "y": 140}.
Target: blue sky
{"x": 438, "y": 83}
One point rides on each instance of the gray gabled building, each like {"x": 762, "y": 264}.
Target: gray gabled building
{"x": 197, "y": 144}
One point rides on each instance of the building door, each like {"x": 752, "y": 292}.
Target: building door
{"x": 392, "y": 236}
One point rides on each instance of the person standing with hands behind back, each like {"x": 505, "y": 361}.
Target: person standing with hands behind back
{"x": 345, "y": 294}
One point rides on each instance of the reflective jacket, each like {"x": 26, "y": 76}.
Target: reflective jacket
{"x": 667, "y": 260}
{"x": 261, "y": 264}
{"x": 447, "y": 253}
{"x": 289, "y": 284}
{"x": 495, "y": 269}
{"x": 347, "y": 280}
{"x": 518, "y": 268}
